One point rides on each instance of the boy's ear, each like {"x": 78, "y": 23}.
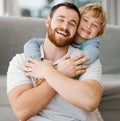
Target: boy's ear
{"x": 47, "y": 21}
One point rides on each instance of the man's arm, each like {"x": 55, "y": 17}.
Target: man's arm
{"x": 85, "y": 94}
{"x": 25, "y": 100}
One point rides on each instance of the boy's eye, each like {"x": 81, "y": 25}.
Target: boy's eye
{"x": 84, "y": 19}
{"x": 72, "y": 24}
{"x": 96, "y": 25}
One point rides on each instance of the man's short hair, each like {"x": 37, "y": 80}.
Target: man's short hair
{"x": 67, "y": 5}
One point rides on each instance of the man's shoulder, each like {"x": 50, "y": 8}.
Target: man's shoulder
{"x": 18, "y": 58}
{"x": 97, "y": 63}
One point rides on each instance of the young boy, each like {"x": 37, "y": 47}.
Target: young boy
{"x": 92, "y": 24}
{"x": 91, "y": 27}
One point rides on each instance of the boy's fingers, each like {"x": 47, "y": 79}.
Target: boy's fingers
{"x": 77, "y": 57}
{"x": 81, "y": 60}
{"x": 82, "y": 67}
{"x": 66, "y": 57}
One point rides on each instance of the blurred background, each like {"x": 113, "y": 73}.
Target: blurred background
{"x": 41, "y": 8}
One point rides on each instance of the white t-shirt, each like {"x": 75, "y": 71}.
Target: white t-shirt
{"x": 58, "y": 109}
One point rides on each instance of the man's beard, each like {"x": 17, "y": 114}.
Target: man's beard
{"x": 57, "y": 41}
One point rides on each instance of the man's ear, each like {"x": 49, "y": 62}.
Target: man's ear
{"x": 47, "y": 21}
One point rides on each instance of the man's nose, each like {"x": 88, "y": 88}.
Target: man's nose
{"x": 65, "y": 25}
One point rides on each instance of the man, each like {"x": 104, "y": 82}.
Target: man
{"x": 54, "y": 102}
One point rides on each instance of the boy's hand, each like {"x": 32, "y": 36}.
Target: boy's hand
{"x": 72, "y": 67}
{"x": 39, "y": 81}
{"x": 36, "y": 68}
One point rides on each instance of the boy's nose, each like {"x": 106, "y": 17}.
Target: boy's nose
{"x": 88, "y": 25}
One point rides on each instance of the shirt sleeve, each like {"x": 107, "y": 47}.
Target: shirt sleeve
{"x": 90, "y": 48}
{"x": 15, "y": 73}
{"x": 94, "y": 72}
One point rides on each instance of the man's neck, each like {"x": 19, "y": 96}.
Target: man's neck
{"x": 52, "y": 52}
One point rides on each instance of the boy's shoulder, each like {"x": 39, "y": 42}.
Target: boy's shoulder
{"x": 92, "y": 42}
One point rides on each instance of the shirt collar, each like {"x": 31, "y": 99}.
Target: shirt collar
{"x": 42, "y": 52}
{"x": 56, "y": 62}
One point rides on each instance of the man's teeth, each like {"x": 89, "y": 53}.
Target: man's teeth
{"x": 59, "y": 32}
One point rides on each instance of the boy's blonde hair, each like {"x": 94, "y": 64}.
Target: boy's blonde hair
{"x": 98, "y": 12}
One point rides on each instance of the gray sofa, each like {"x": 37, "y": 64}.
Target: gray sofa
{"x": 14, "y": 32}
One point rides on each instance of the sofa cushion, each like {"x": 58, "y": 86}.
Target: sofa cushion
{"x": 14, "y": 32}
{"x": 111, "y": 96}
{"x": 110, "y": 50}
{"x": 6, "y": 113}
{"x": 109, "y": 106}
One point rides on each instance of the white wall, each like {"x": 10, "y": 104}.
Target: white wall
{"x": 1, "y": 7}
{"x": 112, "y": 7}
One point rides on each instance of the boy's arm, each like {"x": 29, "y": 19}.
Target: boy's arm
{"x": 90, "y": 48}
{"x": 32, "y": 48}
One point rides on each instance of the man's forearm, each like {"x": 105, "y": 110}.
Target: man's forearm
{"x": 84, "y": 94}
{"x": 31, "y": 101}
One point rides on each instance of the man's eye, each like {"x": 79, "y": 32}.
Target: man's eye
{"x": 72, "y": 24}
{"x": 60, "y": 20}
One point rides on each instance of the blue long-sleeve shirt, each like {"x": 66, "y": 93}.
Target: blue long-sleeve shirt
{"x": 89, "y": 48}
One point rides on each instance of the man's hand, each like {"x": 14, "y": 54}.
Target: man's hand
{"x": 72, "y": 67}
